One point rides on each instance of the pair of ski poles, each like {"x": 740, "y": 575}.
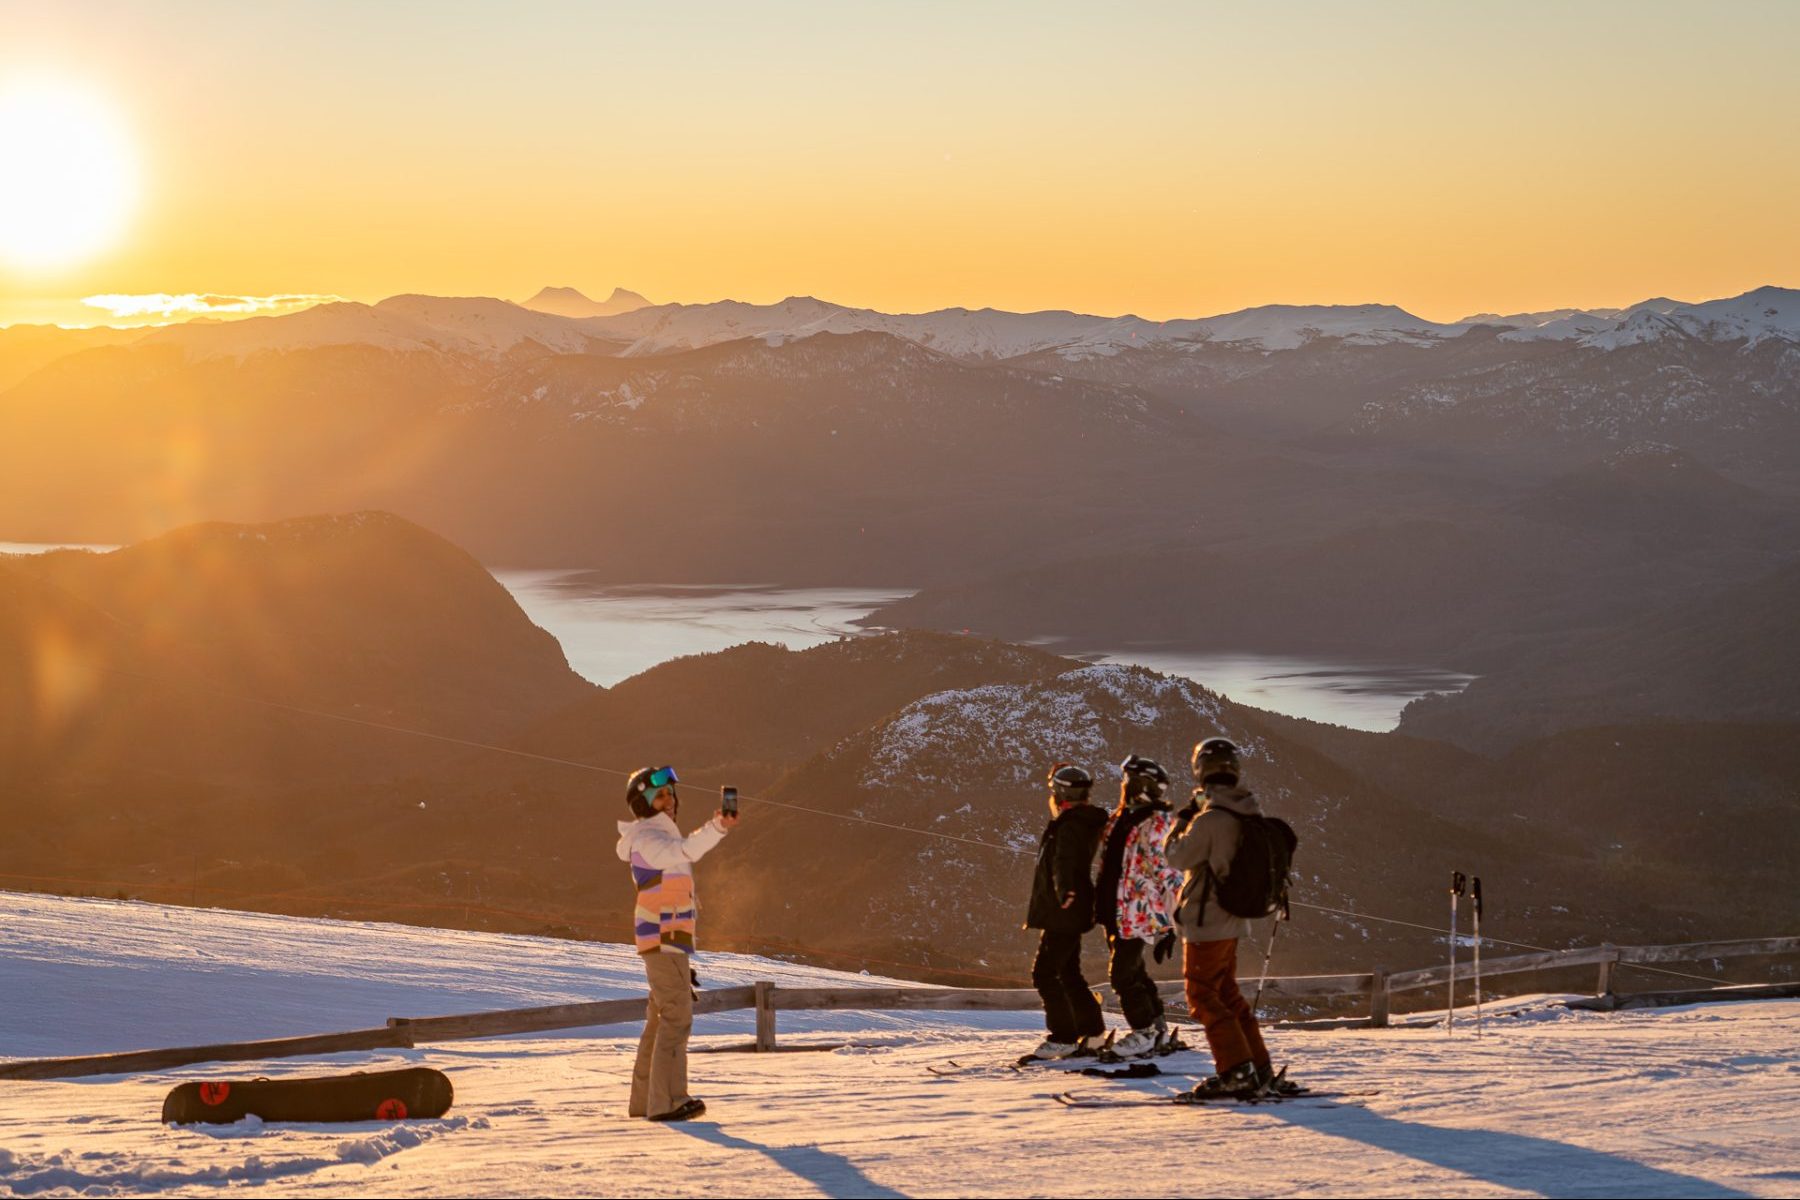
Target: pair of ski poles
{"x": 1461, "y": 885}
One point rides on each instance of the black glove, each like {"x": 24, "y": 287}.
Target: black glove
{"x": 1165, "y": 946}
{"x": 694, "y": 978}
{"x": 1187, "y": 814}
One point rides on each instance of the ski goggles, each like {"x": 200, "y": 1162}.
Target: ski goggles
{"x": 662, "y": 777}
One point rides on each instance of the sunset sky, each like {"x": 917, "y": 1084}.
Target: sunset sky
{"x": 1164, "y": 159}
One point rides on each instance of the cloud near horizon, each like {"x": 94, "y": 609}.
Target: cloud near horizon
{"x": 164, "y": 305}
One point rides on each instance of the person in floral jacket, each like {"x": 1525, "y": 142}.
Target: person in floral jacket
{"x": 1135, "y": 900}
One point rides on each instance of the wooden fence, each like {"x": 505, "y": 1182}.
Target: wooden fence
{"x": 767, "y": 1000}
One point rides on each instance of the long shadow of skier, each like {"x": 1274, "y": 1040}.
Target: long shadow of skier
{"x": 1509, "y": 1160}
{"x": 831, "y": 1173}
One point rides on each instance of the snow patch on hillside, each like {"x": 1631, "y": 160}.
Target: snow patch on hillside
{"x": 1080, "y": 715}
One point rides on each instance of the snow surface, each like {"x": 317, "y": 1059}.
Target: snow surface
{"x": 1703, "y": 1101}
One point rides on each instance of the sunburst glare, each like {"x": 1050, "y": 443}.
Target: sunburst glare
{"x": 68, "y": 175}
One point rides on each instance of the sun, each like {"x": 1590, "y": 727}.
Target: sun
{"x": 68, "y": 176}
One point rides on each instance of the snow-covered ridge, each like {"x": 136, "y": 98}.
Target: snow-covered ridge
{"x": 475, "y": 326}
{"x": 1754, "y": 317}
{"x": 483, "y": 327}
{"x": 992, "y": 335}
{"x": 1084, "y": 715}
{"x": 1764, "y": 314}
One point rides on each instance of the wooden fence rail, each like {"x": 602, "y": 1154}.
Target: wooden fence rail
{"x": 765, "y": 999}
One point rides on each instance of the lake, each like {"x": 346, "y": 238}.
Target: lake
{"x": 612, "y": 632}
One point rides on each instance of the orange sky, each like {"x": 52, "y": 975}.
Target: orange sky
{"x": 1164, "y": 159}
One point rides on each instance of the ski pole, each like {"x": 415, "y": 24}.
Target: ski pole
{"x": 1274, "y": 929}
{"x": 1456, "y": 889}
{"x": 1475, "y": 904}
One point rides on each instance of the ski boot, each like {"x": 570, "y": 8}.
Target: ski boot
{"x": 687, "y": 1110}
{"x": 1051, "y": 1050}
{"x": 1242, "y": 1082}
{"x": 1139, "y": 1043}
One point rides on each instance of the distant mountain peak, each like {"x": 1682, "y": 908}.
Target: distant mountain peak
{"x": 571, "y": 302}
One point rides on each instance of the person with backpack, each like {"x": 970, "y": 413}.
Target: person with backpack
{"x": 662, "y": 868}
{"x": 1235, "y": 863}
{"x": 1135, "y": 901}
{"x": 1062, "y": 908}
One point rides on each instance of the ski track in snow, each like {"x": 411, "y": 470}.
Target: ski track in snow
{"x": 1702, "y": 1101}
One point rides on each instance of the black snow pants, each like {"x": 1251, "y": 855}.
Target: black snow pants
{"x": 1130, "y": 978}
{"x": 1070, "y": 1010}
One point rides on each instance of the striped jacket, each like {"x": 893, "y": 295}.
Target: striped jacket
{"x": 662, "y": 868}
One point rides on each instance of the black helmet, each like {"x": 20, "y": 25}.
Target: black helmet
{"x": 1069, "y": 783}
{"x": 1143, "y": 777}
{"x": 1216, "y": 758}
{"x": 642, "y": 787}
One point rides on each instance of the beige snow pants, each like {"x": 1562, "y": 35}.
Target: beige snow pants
{"x": 659, "y": 1081}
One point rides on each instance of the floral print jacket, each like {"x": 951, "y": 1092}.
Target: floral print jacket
{"x": 1148, "y": 885}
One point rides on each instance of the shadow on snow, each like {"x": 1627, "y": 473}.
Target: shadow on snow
{"x": 832, "y": 1174}
{"x": 1509, "y": 1160}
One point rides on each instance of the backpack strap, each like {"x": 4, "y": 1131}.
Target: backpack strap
{"x": 1210, "y": 878}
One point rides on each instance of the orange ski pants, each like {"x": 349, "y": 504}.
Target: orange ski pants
{"x": 1209, "y": 973}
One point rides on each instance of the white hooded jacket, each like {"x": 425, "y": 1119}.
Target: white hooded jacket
{"x": 662, "y": 868}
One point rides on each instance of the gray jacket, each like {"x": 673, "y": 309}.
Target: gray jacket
{"x": 1208, "y": 841}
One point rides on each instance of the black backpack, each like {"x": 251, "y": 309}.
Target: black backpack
{"x": 1256, "y": 882}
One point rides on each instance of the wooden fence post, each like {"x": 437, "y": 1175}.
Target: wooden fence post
{"x": 765, "y": 1015}
{"x": 1607, "y": 962}
{"x": 1378, "y": 999}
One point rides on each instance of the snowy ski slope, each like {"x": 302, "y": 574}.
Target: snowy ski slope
{"x": 1690, "y": 1102}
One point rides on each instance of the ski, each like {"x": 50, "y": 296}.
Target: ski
{"x": 1181, "y": 1100}
{"x": 1136, "y": 1070}
{"x": 952, "y": 1068}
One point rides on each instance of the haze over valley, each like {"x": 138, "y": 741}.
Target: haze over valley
{"x": 1593, "y": 515}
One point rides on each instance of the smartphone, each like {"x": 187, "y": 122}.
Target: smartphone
{"x": 728, "y": 801}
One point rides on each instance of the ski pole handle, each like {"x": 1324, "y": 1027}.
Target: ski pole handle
{"x": 1475, "y": 894}
{"x": 1458, "y": 883}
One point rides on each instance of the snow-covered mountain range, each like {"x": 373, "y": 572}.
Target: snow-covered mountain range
{"x": 558, "y": 320}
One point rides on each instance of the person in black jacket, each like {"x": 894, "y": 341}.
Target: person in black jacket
{"x": 1062, "y": 906}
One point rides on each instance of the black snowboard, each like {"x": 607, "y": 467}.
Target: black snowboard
{"x": 364, "y": 1096}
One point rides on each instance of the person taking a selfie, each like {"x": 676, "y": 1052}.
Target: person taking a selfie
{"x": 662, "y": 868}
